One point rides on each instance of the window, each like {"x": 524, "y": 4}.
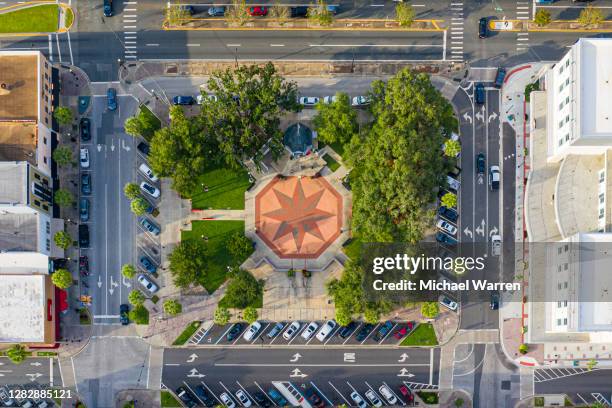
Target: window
{"x": 45, "y": 159}
{"x": 46, "y": 120}
{"x": 37, "y": 203}
{"x": 567, "y": 137}
{"x": 560, "y": 124}
{"x": 567, "y": 63}
{"x": 559, "y": 286}
{"x": 559, "y": 322}
{"x": 44, "y": 140}
{"x": 48, "y": 225}
{"x": 565, "y": 303}
{"x": 566, "y": 247}
{"x": 559, "y": 268}
{"x": 567, "y": 119}
{"x": 564, "y": 285}
{"x": 565, "y": 266}
{"x": 560, "y": 142}
{"x": 37, "y": 176}
{"x": 567, "y": 99}
{"x": 565, "y": 321}
{"x": 48, "y": 245}
{"x": 602, "y": 198}
{"x": 559, "y": 304}
{"x": 561, "y": 88}
{"x": 601, "y": 213}
{"x": 561, "y": 105}
{"x": 45, "y": 207}
{"x": 567, "y": 81}
{"x": 559, "y": 250}
{"x": 602, "y": 176}
{"x": 561, "y": 70}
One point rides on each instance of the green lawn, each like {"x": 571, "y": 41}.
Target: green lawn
{"x": 353, "y": 249}
{"x": 428, "y": 397}
{"x": 187, "y": 333}
{"x": 168, "y": 400}
{"x": 37, "y": 19}
{"x": 218, "y": 232}
{"x": 152, "y": 121}
{"x": 69, "y": 17}
{"x": 331, "y": 163}
{"x": 337, "y": 146}
{"x": 226, "y": 189}
{"x": 423, "y": 335}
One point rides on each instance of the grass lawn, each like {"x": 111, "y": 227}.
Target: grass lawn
{"x": 423, "y": 335}
{"x": 69, "y": 17}
{"x": 187, "y": 333}
{"x": 218, "y": 232}
{"x": 331, "y": 163}
{"x": 146, "y": 116}
{"x": 41, "y": 19}
{"x": 226, "y": 189}
{"x": 428, "y": 397}
{"x": 337, "y": 146}
{"x": 168, "y": 400}
{"x": 353, "y": 249}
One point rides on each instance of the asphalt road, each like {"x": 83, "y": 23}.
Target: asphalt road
{"x": 333, "y": 373}
{"x": 43, "y": 371}
{"x": 583, "y": 386}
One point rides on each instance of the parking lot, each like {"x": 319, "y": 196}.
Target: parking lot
{"x": 218, "y": 335}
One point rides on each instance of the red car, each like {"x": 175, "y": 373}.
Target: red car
{"x": 258, "y": 11}
{"x": 405, "y": 391}
{"x": 403, "y": 330}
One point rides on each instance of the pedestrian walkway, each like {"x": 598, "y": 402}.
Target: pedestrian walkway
{"x": 217, "y": 215}
{"x": 456, "y": 31}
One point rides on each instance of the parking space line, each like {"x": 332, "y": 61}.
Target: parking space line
{"x": 353, "y": 388}
{"x": 585, "y": 401}
{"x": 354, "y": 331}
{"x": 298, "y": 334}
{"x": 247, "y": 393}
{"x": 209, "y": 390}
{"x": 280, "y": 333}
{"x": 312, "y": 336}
{"x": 339, "y": 393}
{"x": 239, "y": 336}
{"x": 229, "y": 393}
{"x": 388, "y": 334}
{"x": 223, "y": 335}
{"x": 261, "y": 332}
{"x": 193, "y": 392}
{"x": 321, "y": 393}
{"x": 374, "y": 391}
{"x": 266, "y": 394}
{"x": 331, "y": 336}
{"x": 393, "y": 392}
{"x": 373, "y": 331}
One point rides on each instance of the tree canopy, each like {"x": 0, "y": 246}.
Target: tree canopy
{"x": 62, "y": 278}
{"x": 63, "y": 198}
{"x": 239, "y": 246}
{"x": 139, "y": 315}
{"x": 128, "y": 270}
{"x": 430, "y": 309}
{"x": 188, "y": 262}
{"x": 222, "y": 316}
{"x": 398, "y": 165}
{"x": 242, "y": 290}
{"x": 62, "y": 239}
{"x": 250, "y": 315}
{"x": 131, "y": 190}
{"x": 136, "y": 297}
{"x": 139, "y": 206}
{"x": 172, "y": 307}
{"x": 62, "y": 155}
{"x": 16, "y": 353}
{"x": 336, "y": 121}
{"x": 63, "y": 115}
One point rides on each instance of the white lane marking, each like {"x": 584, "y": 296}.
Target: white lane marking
{"x": 51, "y": 371}
{"x": 229, "y": 393}
{"x": 277, "y": 45}
{"x": 129, "y": 26}
{"x": 59, "y": 52}
{"x": 372, "y": 332}
{"x": 393, "y": 392}
{"x": 348, "y": 404}
{"x": 260, "y": 333}
{"x": 321, "y": 393}
{"x": 193, "y": 45}
{"x": 353, "y": 332}
{"x": 378, "y": 45}
{"x": 70, "y": 47}
{"x": 318, "y": 365}
{"x": 213, "y": 394}
{"x": 223, "y": 335}
{"x": 233, "y": 45}
{"x": 152, "y": 45}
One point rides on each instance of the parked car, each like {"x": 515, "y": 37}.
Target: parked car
{"x": 108, "y": 8}
{"x": 86, "y": 183}
{"x": 358, "y": 400}
{"x": 261, "y": 400}
{"x": 309, "y": 100}
{"x": 183, "y": 100}
{"x": 346, "y": 331}
{"x": 332, "y": 8}
{"x": 310, "y": 330}
{"x": 244, "y": 400}
{"x": 403, "y": 331}
{"x": 383, "y": 331}
{"x": 373, "y": 398}
{"x": 111, "y": 99}
{"x": 252, "y": 331}
{"x": 453, "y": 183}
{"x": 407, "y": 394}
{"x": 204, "y": 396}
{"x": 496, "y": 243}
{"x": 146, "y": 170}
{"x": 292, "y": 330}
{"x": 257, "y": 11}
{"x": 149, "y": 189}
{"x": 500, "y": 77}
{"x": 448, "y": 213}
{"x": 480, "y": 94}
{"x": 147, "y": 283}
{"x": 227, "y": 400}
{"x": 447, "y": 227}
{"x": 315, "y": 399}
{"x": 5, "y": 398}
{"x": 85, "y": 126}
{"x": 278, "y": 398}
{"x": 124, "y": 311}
{"x": 494, "y": 303}
{"x": 494, "y": 178}
{"x": 84, "y": 209}
{"x": 360, "y": 101}
{"x": 149, "y": 226}
{"x": 480, "y": 163}
{"x": 143, "y": 148}
{"x": 387, "y": 394}
{"x": 147, "y": 264}
{"x": 329, "y": 99}
{"x": 275, "y": 330}
{"x": 326, "y": 330}
{"x": 189, "y": 9}
{"x": 299, "y": 11}
{"x": 84, "y": 158}
{"x": 186, "y": 397}
{"x": 448, "y": 303}
{"x": 443, "y": 238}
{"x": 483, "y": 27}
{"x": 217, "y": 11}
{"x": 200, "y": 98}
{"x": 366, "y": 329}
{"x": 234, "y": 332}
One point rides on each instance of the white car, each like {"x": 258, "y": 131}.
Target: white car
{"x": 360, "y": 101}
{"x": 227, "y": 401}
{"x": 494, "y": 177}
{"x": 147, "y": 283}
{"x": 387, "y": 394}
{"x": 309, "y": 100}
{"x": 210, "y": 97}
{"x": 150, "y": 190}
{"x": 292, "y": 330}
{"x": 374, "y": 400}
{"x": 146, "y": 170}
{"x": 496, "y": 245}
{"x": 453, "y": 183}
{"x": 329, "y": 99}
{"x": 252, "y": 331}
{"x": 448, "y": 303}
{"x": 310, "y": 330}
{"x": 447, "y": 227}
{"x": 326, "y": 330}
{"x": 244, "y": 400}
{"x": 84, "y": 158}
{"x": 359, "y": 402}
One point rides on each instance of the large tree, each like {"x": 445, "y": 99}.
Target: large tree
{"x": 62, "y": 155}
{"x": 188, "y": 262}
{"x": 62, "y": 239}
{"x": 398, "y": 165}
{"x": 336, "y": 121}
{"x": 62, "y": 278}
{"x": 63, "y": 198}
{"x": 243, "y": 289}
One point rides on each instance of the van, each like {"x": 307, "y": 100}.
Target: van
{"x": 146, "y": 170}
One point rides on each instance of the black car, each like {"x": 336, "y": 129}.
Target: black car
{"x": 204, "y": 396}
{"x": 383, "y": 331}
{"x": 261, "y": 400}
{"x": 500, "y": 77}
{"x": 445, "y": 239}
{"x": 83, "y": 236}
{"x": 85, "y": 126}
{"x": 234, "y": 332}
{"x": 479, "y": 94}
{"x": 278, "y": 398}
{"x": 108, "y": 8}
{"x": 186, "y": 397}
{"x": 123, "y": 314}
{"x": 183, "y": 100}
{"x": 364, "y": 332}
{"x": 299, "y": 11}
{"x": 494, "y": 304}
{"x": 483, "y": 30}
{"x": 143, "y": 148}
{"x": 315, "y": 400}
{"x": 86, "y": 183}
{"x": 346, "y": 331}
{"x": 481, "y": 163}
{"x": 448, "y": 213}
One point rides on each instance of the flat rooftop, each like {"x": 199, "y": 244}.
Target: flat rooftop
{"x": 19, "y": 232}
{"x": 18, "y": 86}
{"x": 18, "y": 141}
{"x": 22, "y": 308}
{"x": 13, "y": 177}
{"x": 595, "y": 87}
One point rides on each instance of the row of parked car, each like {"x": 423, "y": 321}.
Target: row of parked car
{"x": 262, "y": 11}
{"x": 304, "y": 100}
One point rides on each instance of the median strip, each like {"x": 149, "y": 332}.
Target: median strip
{"x": 556, "y": 26}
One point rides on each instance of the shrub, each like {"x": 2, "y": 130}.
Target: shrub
{"x": 542, "y": 17}
{"x": 172, "y": 307}
{"x": 136, "y": 297}
{"x": 16, "y": 353}
{"x": 222, "y": 316}
{"x": 62, "y": 278}
{"x": 250, "y": 314}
